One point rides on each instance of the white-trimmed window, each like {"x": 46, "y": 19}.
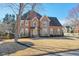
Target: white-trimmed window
{"x": 21, "y": 31}
{"x": 45, "y": 30}
{"x": 26, "y": 30}
{"x": 26, "y": 24}
{"x": 51, "y": 31}
{"x": 34, "y": 24}
{"x": 45, "y": 24}
{"x": 58, "y": 30}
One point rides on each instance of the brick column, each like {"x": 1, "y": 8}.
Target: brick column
{"x": 24, "y": 26}
{"x": 29, "y": 25}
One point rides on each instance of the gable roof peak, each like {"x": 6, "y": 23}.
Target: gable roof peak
{"x": 31, "y": 14}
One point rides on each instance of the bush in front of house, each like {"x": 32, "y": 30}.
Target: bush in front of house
{"x": 6, "y": 35}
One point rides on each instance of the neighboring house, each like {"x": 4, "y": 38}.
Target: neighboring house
{"x": 76, "y": 30}
{"x": 34, "y": 25}
{"x": 68, "y": 29}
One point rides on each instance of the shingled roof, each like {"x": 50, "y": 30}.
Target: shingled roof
{"x": 30, "y": 15}
{"x": 54, "y": 21}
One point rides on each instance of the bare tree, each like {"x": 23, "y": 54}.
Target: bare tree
{"x": 20, "y": 9}
{"x": 73, "y": 17}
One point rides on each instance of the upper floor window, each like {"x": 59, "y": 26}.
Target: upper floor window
{"x": 26, "y": 24}
{"x": 45, "y": 24}
{"x": 34, "y": 24}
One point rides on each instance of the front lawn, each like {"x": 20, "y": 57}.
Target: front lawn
{"x": 45, "y": 46}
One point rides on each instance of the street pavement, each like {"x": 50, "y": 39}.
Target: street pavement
{"x": 71, "y": 53}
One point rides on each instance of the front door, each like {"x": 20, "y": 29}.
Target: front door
{"x": 35, "y": 32}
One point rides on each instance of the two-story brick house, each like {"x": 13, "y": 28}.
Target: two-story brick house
{"x": 33, "y": 24}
